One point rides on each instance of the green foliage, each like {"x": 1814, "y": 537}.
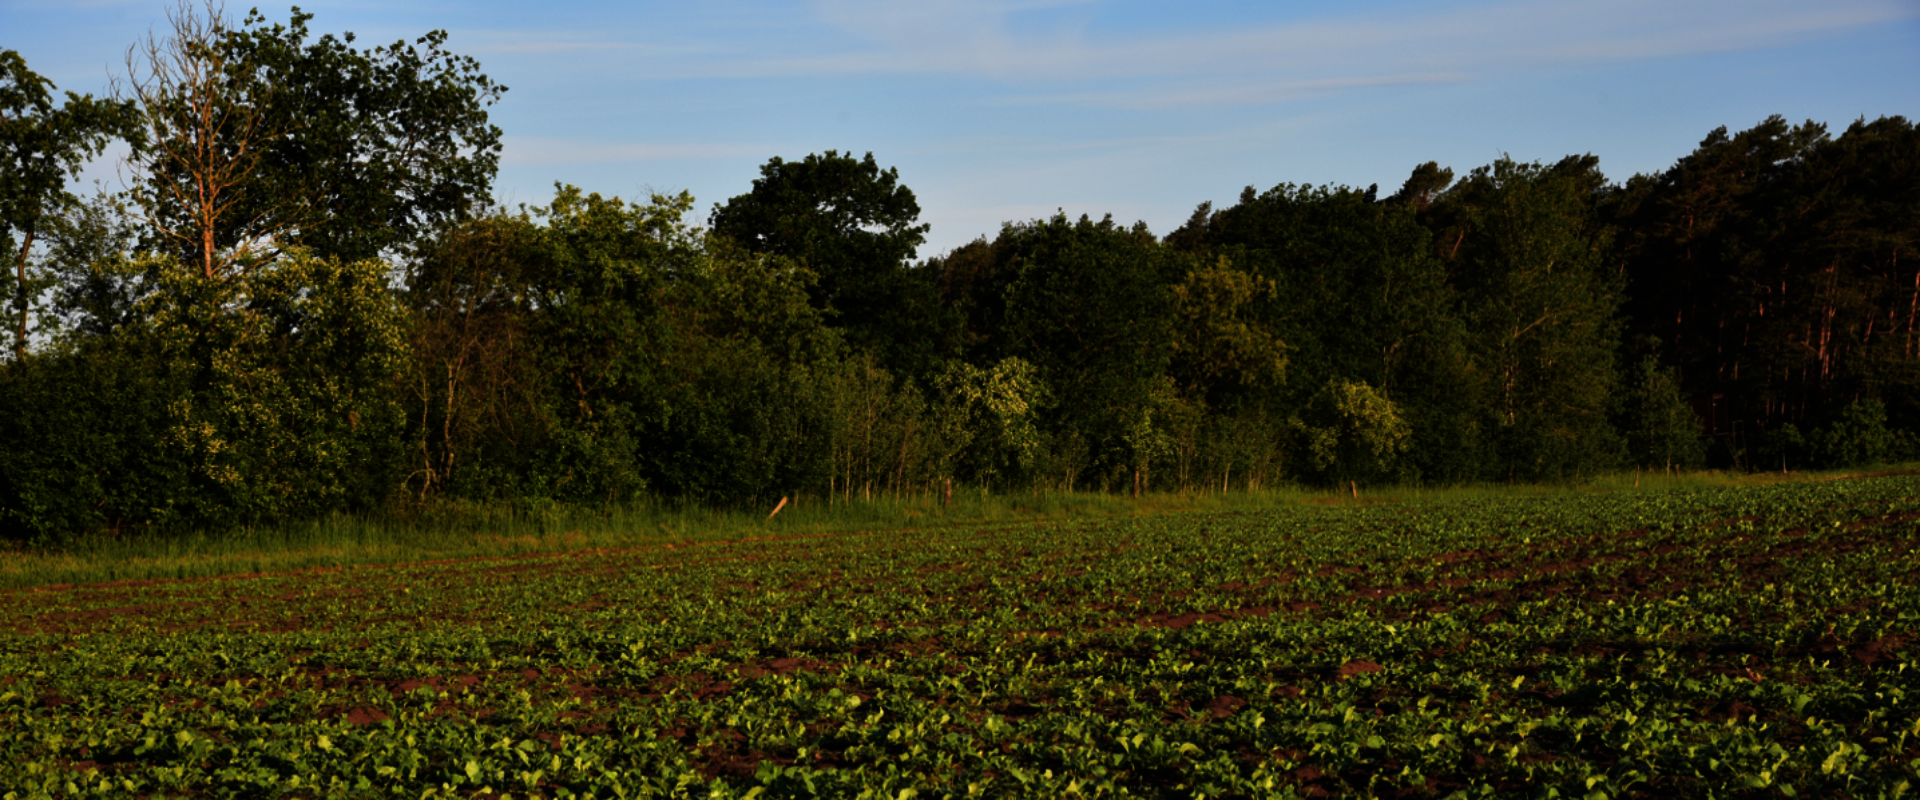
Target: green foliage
{"x": 1661, "y": 430}
{"x": 385, "y": 144}
{"x": 1090, "y": 306}
{"x": 973, "y": 281}
{"x": 590, "y": 350}
{"x": 41, "y": 147}
{"x": 290, "y": 410}
{"x": 1542, "y": 304}
{"x": 854, "y": 225}
{"x": 1785, "y": 447}
{"x": 1858, "y": 436}
{"x": 262, "y": 397}
{"x": 1152, "y": 433}
{"x": 97, "y": 287}
{"x": 988, "y": 420}
{"x": 1220, "y": 349}
{"x": 263, "y": 137}
{"x": 1354, "y": 433}
{"x": 1801, "y": 241}
{"x": 1423, "y": 186}
{"x": 1358, "y": 296}
{"x": 845, "y": 217}
{"x": 85, "y": 433}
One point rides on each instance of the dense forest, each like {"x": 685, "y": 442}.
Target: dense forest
{"x": 307, "y": 302}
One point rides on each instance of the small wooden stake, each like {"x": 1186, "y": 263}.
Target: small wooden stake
{"x": 1355, "y": 488}
{"x": 776, "y": 509}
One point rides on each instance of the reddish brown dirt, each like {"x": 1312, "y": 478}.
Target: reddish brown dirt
{"x": 1353, "y": 668}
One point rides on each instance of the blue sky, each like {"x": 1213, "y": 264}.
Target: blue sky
{"x": 997, "y": 111}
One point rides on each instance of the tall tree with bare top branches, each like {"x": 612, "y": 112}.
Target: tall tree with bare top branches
{"x": 263, "y": 137}
{"x": 207, "y": 118}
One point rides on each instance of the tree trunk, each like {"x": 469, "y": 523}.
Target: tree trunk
{"x": 20, "y": 296}
{"x": 1913, "y": 305}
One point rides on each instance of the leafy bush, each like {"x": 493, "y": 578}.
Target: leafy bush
{"x": 82, "y": 445}
{"x": 1354, "y": 433}
{"x": 1785, "y": 447}
{"x": 265, "y": 395}
{"x": 986, "y": 419}
{"x": 1858, "y": 436}
{"x": 1661, "y": 430}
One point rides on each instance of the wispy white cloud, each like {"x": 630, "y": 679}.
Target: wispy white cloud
{"x": 1282, "y": 61}
{"x": 539, "y": 150}
{"x": 544, "y": 47}
{"x": 535, "y": 42}
{"x": 979, "y": 37}
{"x": 948, "y": 36}
{"x": 1200, "y": 93}
{"x": 86, "y": 5}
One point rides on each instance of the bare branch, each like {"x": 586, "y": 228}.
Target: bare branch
{"x": 208, "y": 123}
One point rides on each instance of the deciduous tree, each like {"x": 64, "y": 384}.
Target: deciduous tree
{"x": 41, "y": 147}
{"x": 1543, "y": 307}
{"x": 261, "y": 139}
{"x": 857, "y": 227}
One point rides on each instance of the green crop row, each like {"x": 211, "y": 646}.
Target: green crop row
{"x": 1750, "y": 642}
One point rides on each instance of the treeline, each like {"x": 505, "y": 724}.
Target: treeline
{"x": 306, "y": 304}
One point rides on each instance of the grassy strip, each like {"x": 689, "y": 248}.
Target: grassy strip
{"x": 490, "y": 531}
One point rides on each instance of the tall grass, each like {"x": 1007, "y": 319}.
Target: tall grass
{"x": 465, "y": 530}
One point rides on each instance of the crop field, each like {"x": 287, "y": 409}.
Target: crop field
{"x": 1754, "y": 642}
